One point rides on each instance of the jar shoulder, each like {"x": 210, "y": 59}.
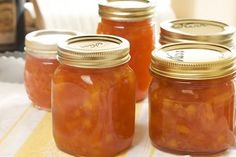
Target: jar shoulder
{"x": 104, "y": 27}
{"x": 31, "y": 59}
{"x": 93, "y": 76}
{"x": 192, "y": 90}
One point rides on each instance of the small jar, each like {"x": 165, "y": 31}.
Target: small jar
{"x": 93, "y": 108}
{"x": 132, "y": 20}
{"x": 40, "y": 64}
{"x": 191, "y": 98}
{"x": 196, "y": 30}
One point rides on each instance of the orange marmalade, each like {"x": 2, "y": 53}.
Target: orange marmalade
{"x": 93, "y": 96}
{"x": 132, "y": 20}
{"x": 41, "y": 63}
{"x": 191, "y": 98}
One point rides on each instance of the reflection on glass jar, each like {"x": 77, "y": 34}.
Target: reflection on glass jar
{"x": 192, "y": 99}
{"x": 132, "y": 20}
{"x": 41, "y": 62}
{"x": 93, "y": 96}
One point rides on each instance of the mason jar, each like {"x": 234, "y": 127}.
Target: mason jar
{"x": 132, "y": 20}
{"x": 40, "y": 64}
{"x": 196, "y": 30}
{"x": 191, "y": 98}
{"x": 93, "y": 109}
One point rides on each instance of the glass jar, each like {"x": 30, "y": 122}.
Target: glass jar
{"x": 132, "y": 20}
{"x": 40, "y": 64}
{"x": 191, "y": 98}
{"x": 12, "y": 30}
{"x": 92, "y": 88}
{"x": 196, "y": 30}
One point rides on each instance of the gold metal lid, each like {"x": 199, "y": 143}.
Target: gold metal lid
{"x": 44, "y": 42}
{"x": 196, "y": 30}
{"x": 193, "y": 61}
{"x": 94, "y": 51}
{"x": 126, "y": 10}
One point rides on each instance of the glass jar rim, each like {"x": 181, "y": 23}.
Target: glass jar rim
{"x": 126, "y": 10}
{"x": 94, "y": 51}
{"x": 196, "y": 30}
{"x": 181, "y": 61}
{"x": 45, "y": 40}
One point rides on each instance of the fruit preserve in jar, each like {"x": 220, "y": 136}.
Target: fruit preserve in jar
{"x": 191, "y": 98}
{"x": 197, "y": 30}
{"x": 93, "y": 105}
{"x": 132, "y": 20}
{"x": 41, "y": 50}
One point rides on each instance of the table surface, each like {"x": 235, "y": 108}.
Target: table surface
{"x": 27, "y": 132}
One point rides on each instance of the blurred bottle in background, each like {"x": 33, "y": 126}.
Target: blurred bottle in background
{"x": 82, "y": 16}
{"x": 184, "y": 8}
{"x": 12, "y": 30}
{"x": 218, "y": 10}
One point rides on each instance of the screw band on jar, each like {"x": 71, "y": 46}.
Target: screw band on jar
{"x": 43, "y": 43}
{"x": 94, "y": 51}
{"x": 126, "y": 10}
{"x": 193, "y": 61}
{"x": 196, "y": 30}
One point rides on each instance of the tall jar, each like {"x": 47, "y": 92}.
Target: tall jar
{"x": 93, "y": 108}
{"x": 196, "y": 30}
{"x": 132, "y": 19}
{"x": 40, "y": 64}
{"x": 191, "y": 98}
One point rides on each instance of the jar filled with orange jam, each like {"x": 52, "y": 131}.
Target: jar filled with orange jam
{"x": 196, "y": 30}
{"x": 132, "y": 20}
{"x": 40, "y": 64}
{"x": 191, "y": 98}
{"x": 93, "y": 96}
